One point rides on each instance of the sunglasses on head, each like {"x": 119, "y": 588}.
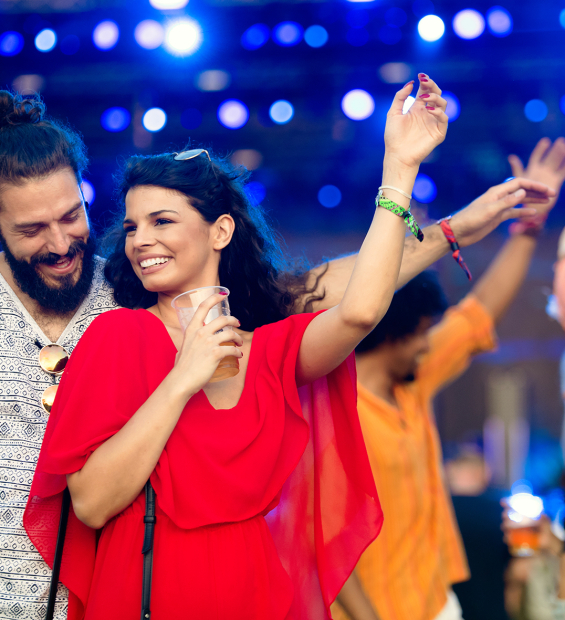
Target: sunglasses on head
{"x": 53, "y": 359}
{"x": 191, "y": 154}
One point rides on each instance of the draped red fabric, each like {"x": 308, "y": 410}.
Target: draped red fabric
{"x": 299, "y": 452}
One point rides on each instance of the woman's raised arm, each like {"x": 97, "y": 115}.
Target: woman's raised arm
{"x": 409, "y": 138}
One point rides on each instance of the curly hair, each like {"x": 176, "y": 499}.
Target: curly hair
{"x": 33, "y": 146}
{"x": 264, "y": 286}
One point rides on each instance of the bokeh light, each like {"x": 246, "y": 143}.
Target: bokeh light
{"x": 562, "y": 104}
{"x": 357, "y": 37}
{"x": 149, "y": 34}
{"x": 213, "y": 80}
{"x": 115, "y": 119}
{"x": 88, "y": 191}
{"x": 250, "y": 158}
{"x": 453, "y": 108}
{"x": 395, "y": 72}
{"x": 499, "y": 21}
{"x": 233, "y": 114}
{"x": 183, "y": 37}
{"x": 535, "y": 110}
{"x": 256, "y": 192}
{"x": 431, "y": 28}
{"x": 287, "y": 34}
{"x": 281, "y": 112}
{"x": 45, "y": 40}
{"x": 562, "y": 18}
{"x": 11, "y": 43}
{"x": 168, "y": 5}
{"x": 191, "y": 118}
{"x": 390, "y": 35}
{"x": 329, "y": 196}
{"x": 358, "y": 104}
{"x": 255, "y": 36}
{"x": 316, "y": 36}
{"x": 106, "y": 35}
{"x": 425, "y": 189}
{"x": 69, "y": 45}
{"x": 154, "y": 119}
{"x": 468, "y": 24}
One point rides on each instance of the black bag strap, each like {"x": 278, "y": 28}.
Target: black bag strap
{"x": 58, "y": 554}
{"x": 147, "y": 551}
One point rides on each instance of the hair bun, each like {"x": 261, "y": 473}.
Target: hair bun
{"x": 20, "y": 109}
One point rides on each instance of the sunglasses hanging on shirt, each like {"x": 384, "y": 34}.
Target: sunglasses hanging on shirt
{"x": 53, "y": 359}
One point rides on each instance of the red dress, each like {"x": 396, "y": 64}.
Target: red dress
{"x": 262, "y": 510}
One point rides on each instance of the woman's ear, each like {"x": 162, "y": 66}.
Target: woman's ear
{"x": 223, "y": 230}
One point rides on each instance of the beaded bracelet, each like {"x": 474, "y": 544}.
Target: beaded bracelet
{"x": 393, "y": 207}
{"x": 455, "y": 249}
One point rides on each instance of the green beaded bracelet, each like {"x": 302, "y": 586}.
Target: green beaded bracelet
{"x": 395, "y": 208}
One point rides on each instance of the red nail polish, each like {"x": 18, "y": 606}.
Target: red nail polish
{"x": 422, "y": 75}
{"x": 410, "y": 82}
{"x": 423, "y": 80}
{"x": 429, "y": 107}
{"x": 223, "y": 293}
{"x": 423, "y": 96}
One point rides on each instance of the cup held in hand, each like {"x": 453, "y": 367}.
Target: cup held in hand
{"x": 185, "y": 306}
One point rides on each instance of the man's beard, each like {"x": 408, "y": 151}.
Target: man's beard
{"x": 68, "y": 295}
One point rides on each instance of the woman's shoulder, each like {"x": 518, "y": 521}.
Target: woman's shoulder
{"x": 293, "y": 323}
{"x": 120, "y": 323}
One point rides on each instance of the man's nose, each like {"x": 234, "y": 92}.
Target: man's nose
{"x": 58, "y": 242}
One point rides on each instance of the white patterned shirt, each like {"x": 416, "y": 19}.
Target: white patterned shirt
{"x": 24, "y": 576}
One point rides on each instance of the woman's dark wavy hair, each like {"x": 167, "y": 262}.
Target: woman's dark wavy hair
{"x": 420, "y": 298}
{"x": 264, "y": 286}
{"x": 33, "y": 146}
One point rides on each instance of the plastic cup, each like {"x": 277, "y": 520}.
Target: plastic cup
{"x": 523, "y": 531}
{"x": 185, "y": 306}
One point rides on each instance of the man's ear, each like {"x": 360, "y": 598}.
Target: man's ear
{"x": 222, "y": 231}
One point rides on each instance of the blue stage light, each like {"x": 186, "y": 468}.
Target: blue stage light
{"x": 70, "y": 45}
{"x": 168, "y": 5}
{"x": 191, "y": 118}
{"x": 88, "y": 191}
{"x": 287, "y": 34}
{"x": 395, "y": 17}
{"x": 499, "y": 21}
{"x": 281, "y": 112}
{"x": 424, "y": 189}
{"x": 357, "y": 37}
{"x": 149, "y": 34}
{"x": 431, "y": 28}
{"x": 390, "y": 35}
{"x": 256, "y": 192}
{"x": 154, "y": 119}
{"x": 115, "y": 119}
{"x": 358, "y": 104}
{"x": 329, "y": 196}
{"x": 468, "y": 24}
{"x": 316, "y": 36}
{"x": 255, "y": 36}
{"x": 562, "y": 18}
{"x": 183, "y": 37}
{"x": 45, "y": 40}
{"x": 233, "y": 114}
{"x": 453, "y": 106}
{"x": 11, "y": 43}
{"x": 106, "y": 35}
{"x": 535, "y": 110}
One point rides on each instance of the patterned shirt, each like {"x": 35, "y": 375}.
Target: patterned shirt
{"x": 24, "y": 576}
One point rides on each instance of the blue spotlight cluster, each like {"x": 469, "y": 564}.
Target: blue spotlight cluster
{"x": 431, "y": 28}
{"x": 88, "y": 191}
{"x": 255, "y": 36}
{"x": 46, "y": 40}
{"x": 149, "y": 34}
{"x": 183, "y": 37}
{"x": 329, "y": 196}
{"x": 453, "y": 108}
{"x": 115, "y": 119}
{"x": 358, "y": 104}
{"x": 233, "y": 114}
{"x": 468, "y": 24}
{"x": 105, "y": 36}
{"x": 316, "y": 36}
{"x": 154, "y": 119}
{"x": 535, "y": 110}
{"x": 168, "y": 5}
{"x": 11, "y": 43}
{"x": 288, "y": 34}
{"x": 424, "y": 189}
{"x": 281, "y": 112}
{"x": 499, "y": 21}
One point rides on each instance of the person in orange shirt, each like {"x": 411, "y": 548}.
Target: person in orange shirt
{"x": 407, "y": 572}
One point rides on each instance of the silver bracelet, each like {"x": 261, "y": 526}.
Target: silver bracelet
{"x": 396, "y": 190}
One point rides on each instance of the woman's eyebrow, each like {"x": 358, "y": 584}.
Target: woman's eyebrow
{"x": 153, "y": 214}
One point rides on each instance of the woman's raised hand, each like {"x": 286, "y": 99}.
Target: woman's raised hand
{"x": 411, "y": 137}
{"x": 202, "y": 349}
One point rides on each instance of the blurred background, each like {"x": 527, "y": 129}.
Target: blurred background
{"x": 298, "y": 92}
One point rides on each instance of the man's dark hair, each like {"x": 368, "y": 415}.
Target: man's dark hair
{"x": 32, "y": 146}
{"x": 421, "y": 297}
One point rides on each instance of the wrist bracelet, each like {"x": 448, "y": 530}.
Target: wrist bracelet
{"x": 531, "y": 227}
{"x": 396, "y": 190}
{"x": 455, "y": 250}
{"x": 395, "y": 208}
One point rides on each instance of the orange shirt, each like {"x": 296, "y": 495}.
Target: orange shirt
{"x": 408, "y": 569}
